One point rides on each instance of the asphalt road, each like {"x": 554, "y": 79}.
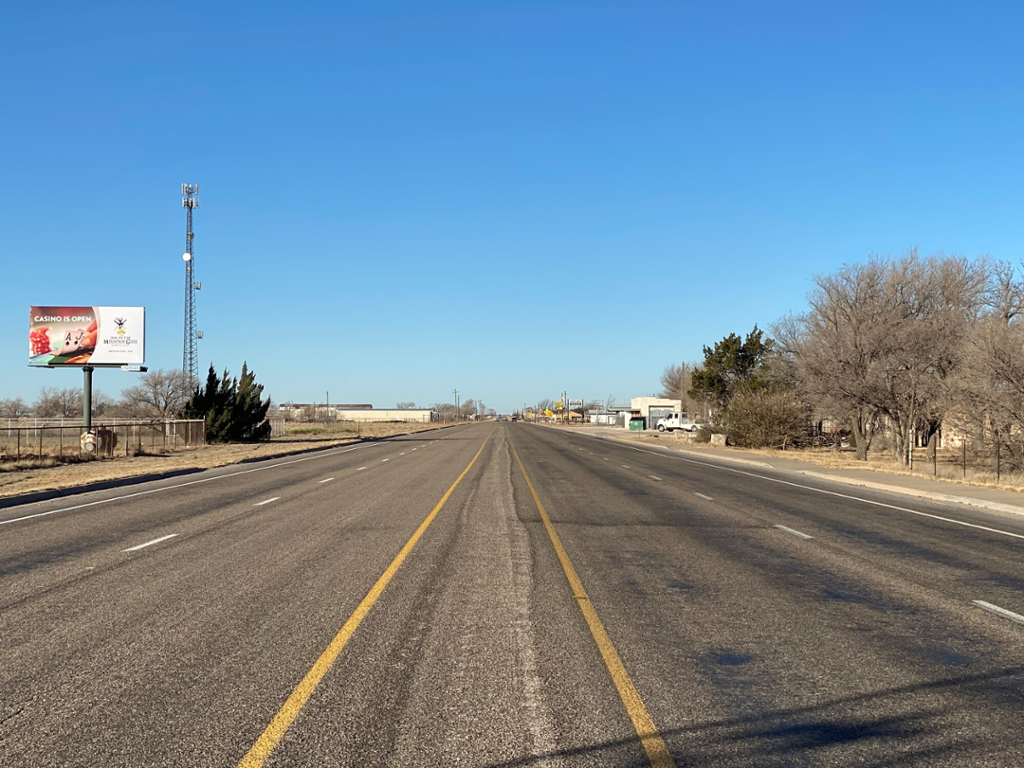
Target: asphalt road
{"x": 507, "y": 595}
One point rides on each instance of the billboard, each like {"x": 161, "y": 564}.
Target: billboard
{"x": 86, "y": 336}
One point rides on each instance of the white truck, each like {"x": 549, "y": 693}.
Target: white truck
{"x": 676, "y": 421}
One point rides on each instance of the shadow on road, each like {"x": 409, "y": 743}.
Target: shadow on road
{"x": 912, "y": 727}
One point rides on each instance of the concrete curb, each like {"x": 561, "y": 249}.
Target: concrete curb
{"x": 917, "y": 493}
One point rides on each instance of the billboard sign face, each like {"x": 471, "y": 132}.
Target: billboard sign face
{"x": 86, "y": 336}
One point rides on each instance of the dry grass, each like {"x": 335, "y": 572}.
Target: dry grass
{"x": 47, "y": 474}
{"x": 949, "y": 469}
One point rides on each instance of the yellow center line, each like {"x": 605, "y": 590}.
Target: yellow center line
{"x": 274, "y": 732}
{"x": 654, "y": 745}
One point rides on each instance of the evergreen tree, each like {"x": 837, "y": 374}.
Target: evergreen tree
{"x": 733, "y": 364}
{"x": 233, "y": 408}
{"x": 250, "y": 419}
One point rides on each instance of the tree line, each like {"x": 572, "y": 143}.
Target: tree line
{"x": 897, "y": 348}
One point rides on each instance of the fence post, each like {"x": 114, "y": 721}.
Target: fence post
{"x": 963, "y": 443}
{"x": 997, "y": 457}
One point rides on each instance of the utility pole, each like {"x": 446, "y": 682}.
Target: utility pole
{"x": 457, "y": 412}
{"x": 190, "y": 357}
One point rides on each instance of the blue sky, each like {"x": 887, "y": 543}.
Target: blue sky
{"x": 512, "y": 199}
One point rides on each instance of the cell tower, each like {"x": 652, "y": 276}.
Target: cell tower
{"x": 190, "y": 359}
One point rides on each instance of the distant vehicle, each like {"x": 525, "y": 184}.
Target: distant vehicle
{"x": 676, "y": 421}
{"x": 514, "y": 417}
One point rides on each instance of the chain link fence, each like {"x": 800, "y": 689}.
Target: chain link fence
{"x": 68, "y": 441}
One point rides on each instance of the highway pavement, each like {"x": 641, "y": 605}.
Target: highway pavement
{"x": 502, "y": 595}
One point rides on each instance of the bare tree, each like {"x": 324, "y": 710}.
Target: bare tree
{"x": 160, "y": 394}
{"x": 986, "y": 393}
{"x": 54, "y": 403}
{"x": 14, "y": 408}
{"x": 675, "y": 380}
{"x": 881, "y": 339}
{"x": 103, "y": 404}
{"x": 405, "y": 406}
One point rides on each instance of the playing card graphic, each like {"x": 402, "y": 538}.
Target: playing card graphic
{"x": 86, "y": 336}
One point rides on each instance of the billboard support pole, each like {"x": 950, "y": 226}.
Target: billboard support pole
{"x": 87, "y": 398}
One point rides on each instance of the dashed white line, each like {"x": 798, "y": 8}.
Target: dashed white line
{"x": 327, "y": 480}
{"x": 707, "y": 498}
{"x": 605, "y": 458}
{"x": 999, "y": 611}
{"x": 812, "y": 488}
{"x": 266, "y": 501}
{"x": 383, "y": 460}
{"x": 624, "y": 465}
{"x": 654, "y": 477}
{"x": 402, "y": 454}
{"x": 794, "y": 532}
{"x": 147, "y": 492}
{"x": 361, "y": 469}
{"x": 150, "y": 543}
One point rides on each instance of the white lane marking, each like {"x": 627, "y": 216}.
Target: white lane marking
{"x": 150, "y": 543}
{"x": 361, "y": 469}
{"x": 999, "y": 611}
{"x": 654, "y": 477}
{"x": 266, "y": 501}
{"x": 605, "y": 458}
{"x": 823, "y": 491}
{"x": 415, "y": 449}
{"x": 402, "y": 454}
{"x": 327, "y": 480}
{"x": 708, "y": 498}
{"x": 383, "y": 460}
{"x": 182, "y": 485}
{"x": 625, "y": 465}
{"x": 794, "y": 532}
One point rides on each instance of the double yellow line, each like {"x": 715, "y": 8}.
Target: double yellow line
{"x": 650, "y": 738}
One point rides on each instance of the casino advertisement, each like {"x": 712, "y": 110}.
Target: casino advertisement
{"x": 60, "y": 336}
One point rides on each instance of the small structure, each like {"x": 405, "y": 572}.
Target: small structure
{"x": 650, "y": 409}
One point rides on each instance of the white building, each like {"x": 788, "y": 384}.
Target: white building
{"x": 650, "y": 409}
{"x": 423, "y": 415}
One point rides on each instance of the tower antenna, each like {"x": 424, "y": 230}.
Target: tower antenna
{"x": 190, "y": 358}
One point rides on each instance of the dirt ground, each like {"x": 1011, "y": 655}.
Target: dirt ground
{"x": 20, "y": 481}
